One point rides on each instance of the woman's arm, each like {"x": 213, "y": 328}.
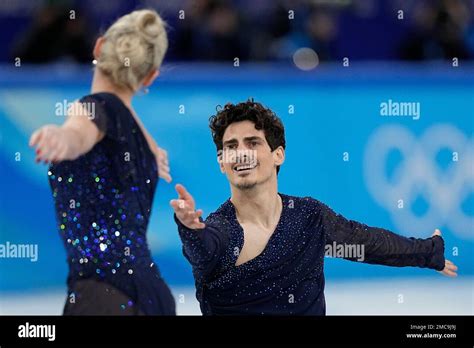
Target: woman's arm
{"x": 74, "y": 138}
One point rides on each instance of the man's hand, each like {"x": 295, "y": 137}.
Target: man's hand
{"x": 184, "y": 209}
{"x": 449, "y": 267}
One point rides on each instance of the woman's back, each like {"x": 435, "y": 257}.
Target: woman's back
{"x": 103, "y": 202}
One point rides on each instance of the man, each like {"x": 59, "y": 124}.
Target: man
{"x": 262, "y": 252}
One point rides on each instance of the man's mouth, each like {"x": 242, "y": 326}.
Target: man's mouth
{"x": 241, "y": 167}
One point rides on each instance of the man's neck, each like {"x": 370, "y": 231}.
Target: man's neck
{"x": 100, "y": 83}
{"x": 261, "y": 205}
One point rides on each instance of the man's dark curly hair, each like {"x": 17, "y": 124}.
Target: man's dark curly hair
{"x": 263, "y": 118}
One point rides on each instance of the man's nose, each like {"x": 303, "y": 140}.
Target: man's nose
{"x": 241, "y": 153}
{"x": 242, "y": 147}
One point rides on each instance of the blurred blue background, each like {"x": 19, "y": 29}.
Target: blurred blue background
{"x": 331, "y": 113}
{"x": 335, "y": 111}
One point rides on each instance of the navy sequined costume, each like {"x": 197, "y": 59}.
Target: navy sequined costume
{"x": 287, "y": 277}
{"x": 103, "y": 201}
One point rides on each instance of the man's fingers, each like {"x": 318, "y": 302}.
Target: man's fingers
{"x": 449, "y": 273}
{"x": 193, "y": 215}
{"x": 199, "y": 225}
{"x": 449, "y": 269}
{"x": 189, "y": 218}
{"x": 451, "y": 266}
{"x": 181, "y": 190}
{"x": 177, "y": 204}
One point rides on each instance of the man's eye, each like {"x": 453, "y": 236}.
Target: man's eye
{"x": 230, "y": 147}
{"x": 253, "y": 143}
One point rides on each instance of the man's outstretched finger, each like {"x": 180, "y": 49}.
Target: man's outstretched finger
{"x": 181, "y": 190}
{"x": 450, "y": 273}
{"x": 437, "y": 232}
{"x": 451, "y": 266}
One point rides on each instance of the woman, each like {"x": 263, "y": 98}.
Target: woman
{"x": 103, "y": 174}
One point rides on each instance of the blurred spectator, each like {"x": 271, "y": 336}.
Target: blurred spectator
{"x": 256, "y": 30}
{"x": 439, "y": 31}
{"x": 54, "y": 36}
{"x": 211, "y": 31}
{"x": 318, "y": 32}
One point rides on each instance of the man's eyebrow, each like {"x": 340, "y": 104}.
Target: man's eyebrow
{"x": 254, "y": 137}
{"x": 230, "y": 141}
{"x": 246, "y": 139}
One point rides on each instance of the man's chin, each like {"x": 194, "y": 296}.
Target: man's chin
{"x": 245, "y": 185}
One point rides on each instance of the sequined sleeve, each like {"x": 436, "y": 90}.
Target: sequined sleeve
{"x": 202, "y": 248}
{"x": 381, "y": 246}
{"x": 104, "y": 115}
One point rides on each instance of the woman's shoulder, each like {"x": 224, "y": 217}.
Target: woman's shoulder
{"x": 104, "y": 99}
{"x": 109, "y": 113}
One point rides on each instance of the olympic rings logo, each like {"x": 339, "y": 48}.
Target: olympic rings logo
{"x": 419, "y": 174}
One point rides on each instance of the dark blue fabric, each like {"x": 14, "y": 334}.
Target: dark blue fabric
{"x": 103, "y": 201}
{"x": 287, "y": 278}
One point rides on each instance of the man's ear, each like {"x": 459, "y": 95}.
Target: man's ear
{"x": 98, "y": 47}
{"x": 152, "y": 75}
{"x": 279, "y": 155}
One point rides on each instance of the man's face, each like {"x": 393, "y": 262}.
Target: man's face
{"x": 247, "y": 159}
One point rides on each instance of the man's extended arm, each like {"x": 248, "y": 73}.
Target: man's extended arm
{"x": 380, "y": 245}
{"x": 203, "y": 244}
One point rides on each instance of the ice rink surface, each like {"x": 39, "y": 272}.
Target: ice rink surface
{"x": 421, "y": 296}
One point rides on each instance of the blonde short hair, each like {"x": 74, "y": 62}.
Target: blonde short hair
{"x": 133, "y": 46}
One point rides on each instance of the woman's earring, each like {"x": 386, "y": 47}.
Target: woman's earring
{"x": 94, "y": 62}
{"x": 142, "y": 90}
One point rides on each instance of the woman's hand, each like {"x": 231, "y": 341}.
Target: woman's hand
{"x": 163, "y": 165}
{"x": 51, "y": 144}
{"x": 75, "y": 137}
